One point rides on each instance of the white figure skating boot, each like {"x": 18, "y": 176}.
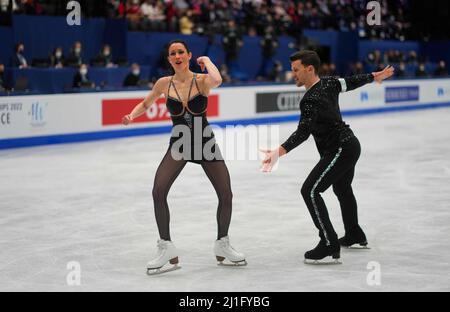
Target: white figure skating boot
{"x": 223, "y": 250}
{"x": 166, "y": 253}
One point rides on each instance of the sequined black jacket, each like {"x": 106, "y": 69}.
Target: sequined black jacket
{"x": 321, "y": 116}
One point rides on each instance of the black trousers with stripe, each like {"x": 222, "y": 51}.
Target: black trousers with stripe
{"x": 335, "y": 168}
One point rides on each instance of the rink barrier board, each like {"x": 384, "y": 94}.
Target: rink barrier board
{"x": 64, "y": 118}
{"x": 114, "y": 134}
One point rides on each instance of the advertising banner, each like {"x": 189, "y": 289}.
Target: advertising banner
{"x": 114, "y": 109}
{"x": 78, "y": 117}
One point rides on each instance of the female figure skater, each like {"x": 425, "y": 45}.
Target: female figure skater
{"x": 187, "y": 99}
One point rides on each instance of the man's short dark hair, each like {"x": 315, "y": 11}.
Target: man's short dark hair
{"x": 307, "y": 57}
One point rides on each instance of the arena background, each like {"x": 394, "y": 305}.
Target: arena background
{"x": 87, "y": 207}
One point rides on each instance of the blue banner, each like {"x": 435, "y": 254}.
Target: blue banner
{"x": 401, "y": 94}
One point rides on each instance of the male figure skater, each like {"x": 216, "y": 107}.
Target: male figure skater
{"x": 338, "y": 147}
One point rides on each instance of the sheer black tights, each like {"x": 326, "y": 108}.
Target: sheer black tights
{"x": 168, "y": 171}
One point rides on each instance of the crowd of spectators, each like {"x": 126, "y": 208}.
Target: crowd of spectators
{"x": 408, "y": 64}
{"x": 58, "y": 59}
{"x": 232, "y": 19}
{"x": 400, "y": 19}
{"x": 81, "y": 80}
{"x": 75, "y": 59}
{"x": 252, "y": 16}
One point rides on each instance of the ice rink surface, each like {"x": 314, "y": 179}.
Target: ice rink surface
{"x": 91, "y": 204}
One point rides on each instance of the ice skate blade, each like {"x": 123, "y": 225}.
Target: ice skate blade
{"x": 357, "y": 247}
{"x": 322, "y": 261}
{"x": 157, "y": 271}
{"x": 232, "y": 263}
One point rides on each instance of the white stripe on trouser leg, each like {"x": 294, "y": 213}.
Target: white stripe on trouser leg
{"x": 314, "y": 188}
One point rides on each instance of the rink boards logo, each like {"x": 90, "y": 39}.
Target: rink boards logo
{"x": 442, "y": 91}
{"x": 37, "y": 114}
{"x": 402, "y": 94}
{"x": 364, "y": 96}
{"x": 113, "y": 110}
{"x": 278, "y": 101}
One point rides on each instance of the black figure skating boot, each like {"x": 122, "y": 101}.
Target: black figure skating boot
{"x": 352, "y": 237}
{"x": 322, "y": 252}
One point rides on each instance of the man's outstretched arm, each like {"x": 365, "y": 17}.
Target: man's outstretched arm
{"x": 354, "y": 82}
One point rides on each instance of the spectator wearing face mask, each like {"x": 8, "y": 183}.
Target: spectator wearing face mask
{"x": 81, "y": 78}
{"x": 421, "y": 72}
{"x": 133, "y": 79}
{"x": 441, "y": 70}
{"x": 57, "y": 58}
{"x": 75, "y": 58}
{"x": 401, "y": 71}
{"x": 105, "y": 57}
{"x": 18, "y": 59}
